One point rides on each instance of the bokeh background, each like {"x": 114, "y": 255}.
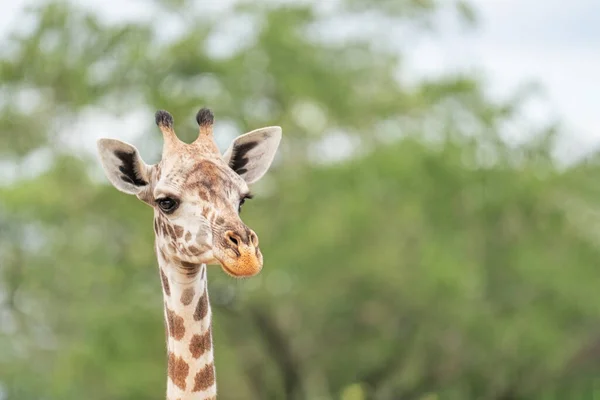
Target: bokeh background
{"x": 430, "y": 225}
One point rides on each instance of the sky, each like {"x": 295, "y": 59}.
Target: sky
{"x": 550, "y": 42}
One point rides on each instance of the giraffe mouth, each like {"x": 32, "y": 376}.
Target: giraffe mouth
{"x": 242, "y": 267}
{"x": 230, "y": 272}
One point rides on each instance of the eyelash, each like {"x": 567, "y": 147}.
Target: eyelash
{"x": 243, "y": 200}
{"x": 167, "y": 210}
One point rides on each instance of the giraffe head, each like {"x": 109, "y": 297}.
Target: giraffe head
{"x": 197, "y": 193}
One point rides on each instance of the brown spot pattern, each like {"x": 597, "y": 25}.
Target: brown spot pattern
{"x": 205, "y": 378}
{"x": 188, "y": 237}
{"x": 165, "y": 282}
{"x": 170, "y": 230}
{"x": 200, "y": 344}
{"x": 178, "y": 370}
{"x": 190, "y": 269}
{"x": 201, "y": 307}
{"x": 195, "y": 251}
{"x": 187, "y": 296}
{"x": 178, "y": 230}
{"x": 176, "y": 326}
{"x": 191, "y": 274}
{"x": 204, "y": 195}
{"x": 190, "y": 266}
{"x": 194, "y": 172}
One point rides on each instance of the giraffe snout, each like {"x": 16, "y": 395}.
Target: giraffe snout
{"x": 241, "y": 255}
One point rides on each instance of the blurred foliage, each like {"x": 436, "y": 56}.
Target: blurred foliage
{"x": 438, "y": 261}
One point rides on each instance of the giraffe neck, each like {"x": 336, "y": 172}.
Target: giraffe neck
{"x": 191, "y": 374}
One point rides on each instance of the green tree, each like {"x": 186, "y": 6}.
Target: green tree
{"x": 434, "y": 261}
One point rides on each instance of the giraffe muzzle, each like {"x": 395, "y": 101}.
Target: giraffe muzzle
{"x": 241, "y": 256}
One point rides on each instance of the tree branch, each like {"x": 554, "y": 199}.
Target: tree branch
{"x": 280, "y": 351}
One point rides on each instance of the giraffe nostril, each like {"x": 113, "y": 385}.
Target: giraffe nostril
{"x": 233, "y": 239}
{"x": 254, "y": 239}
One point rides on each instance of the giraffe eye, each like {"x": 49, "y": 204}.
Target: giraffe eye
{"x": 242, "y": 201}
{"x": 167, "y": 204}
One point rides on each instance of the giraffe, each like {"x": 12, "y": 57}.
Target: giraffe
{"x": 197, "y": 195}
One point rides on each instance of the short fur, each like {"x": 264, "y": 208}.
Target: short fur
{"x": 205, "y": 228}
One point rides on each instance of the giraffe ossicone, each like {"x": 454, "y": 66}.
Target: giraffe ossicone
{"x": 196, "y": 193}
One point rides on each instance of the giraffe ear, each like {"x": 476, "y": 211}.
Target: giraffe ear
{"x": 123, "y": 165}
{"x": 251, "y": 154}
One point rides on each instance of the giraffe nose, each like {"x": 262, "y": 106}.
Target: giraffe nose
{"x": 241, "y": 255}
{"x": 233, "y": 238}
{"x": 248, "y": 238}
